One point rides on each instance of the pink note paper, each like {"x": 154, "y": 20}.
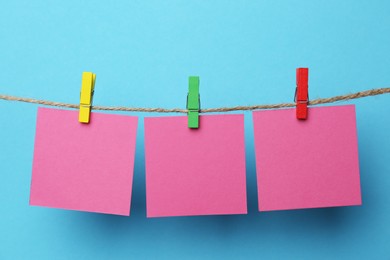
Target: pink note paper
{"x": 307, "y": 163}
{"x": 195, "y": 171}
{"x": 86, "y": 167}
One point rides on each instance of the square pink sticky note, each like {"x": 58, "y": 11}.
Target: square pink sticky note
{"x": 195, "y": 171}
{"x": 86, "y": 167}
{"x": 307, "y": 163}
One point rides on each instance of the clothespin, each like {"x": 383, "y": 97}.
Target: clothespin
{"x": 302, "y": 93}
{"x": 193, "y": 102}
{"x": 87, "y": 89}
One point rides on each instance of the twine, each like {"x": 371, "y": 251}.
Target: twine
{"x": 366, "y": 93}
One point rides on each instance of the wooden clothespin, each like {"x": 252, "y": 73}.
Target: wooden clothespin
{"x": 302, "y": 93}
{"x": 87, "y": 89}
{"x": 193, "y": 102}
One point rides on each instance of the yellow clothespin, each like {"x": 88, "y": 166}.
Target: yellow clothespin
{"x": 87, "y": 88}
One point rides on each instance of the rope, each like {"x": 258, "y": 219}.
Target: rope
{"x": 366, "y": 93}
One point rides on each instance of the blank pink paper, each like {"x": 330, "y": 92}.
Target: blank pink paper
{"x": 307, "y": 164}
{"x": 195, "y": 171}
{"x": 86, "y": 167}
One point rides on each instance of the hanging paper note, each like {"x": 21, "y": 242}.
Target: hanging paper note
{"x": 86, "y": 167}
{"x": 307, "y": 164}
{"x": 195, "y": 172}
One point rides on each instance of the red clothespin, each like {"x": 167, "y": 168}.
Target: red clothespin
{"x": 302, "y": 93}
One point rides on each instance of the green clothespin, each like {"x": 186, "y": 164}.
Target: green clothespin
{"x": 193, "y": 102}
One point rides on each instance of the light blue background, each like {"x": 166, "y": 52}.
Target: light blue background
{"x": 245, "y": 53}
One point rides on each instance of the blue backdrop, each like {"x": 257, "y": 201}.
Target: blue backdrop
{"x": 245, "y": 53}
